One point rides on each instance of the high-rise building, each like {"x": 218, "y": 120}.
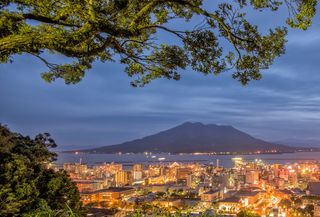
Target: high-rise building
{"x": 252, "y": 177}
{"x": 192, "y": 181}
{"x": 154, "y": 170}
{"x": 81, "y": 168}
{"x": 137, "y": 175}
{"x": 123, "y": 178}
{"x": 137, "y": 172}
{"x": 164, "y": 170}
{"x": 137, "y": 167}
{"x": 283, "y": 173}
{"x": 293, "y": 179}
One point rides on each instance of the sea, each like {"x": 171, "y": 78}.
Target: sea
{"x": 149, "y": 158}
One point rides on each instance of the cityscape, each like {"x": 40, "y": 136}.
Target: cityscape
{"x": 159, "y": 108}
{"x": 195, "y": 189}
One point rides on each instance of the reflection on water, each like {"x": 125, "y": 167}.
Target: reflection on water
{"x": 224, "y": 160}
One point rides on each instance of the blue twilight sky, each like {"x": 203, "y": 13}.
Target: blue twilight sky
{"x": 104, "y": 109}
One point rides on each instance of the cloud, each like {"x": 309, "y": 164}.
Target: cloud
{"x": 103, "y": 109}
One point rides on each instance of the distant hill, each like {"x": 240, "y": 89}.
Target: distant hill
{"x": 194, "y": 137}
{"x": 297, "y": 142}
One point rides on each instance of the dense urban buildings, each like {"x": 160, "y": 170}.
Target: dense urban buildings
{"x": 263, "y": 189}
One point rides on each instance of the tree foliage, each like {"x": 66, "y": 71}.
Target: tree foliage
{"x": 27, "y": 186}
{"x": 247, "y": 213}
{"x": 86, "y": 31}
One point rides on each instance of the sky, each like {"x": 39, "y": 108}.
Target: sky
{"x": 103, "y": 109}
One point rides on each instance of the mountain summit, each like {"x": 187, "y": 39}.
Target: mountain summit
{"x": 194, "y": 137}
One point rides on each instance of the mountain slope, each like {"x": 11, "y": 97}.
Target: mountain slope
{"x": 297, "y": 142}
{"x": 194, "y": 137}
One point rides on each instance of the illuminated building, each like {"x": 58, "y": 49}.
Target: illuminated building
{"x": 137, "y": 175}
{"x": 250, "y": 185}
{"x": 192, "y": 181}
{"x": 230, "y": 205}
{"x": 123, "y": 178}
{"x": 279, "y": 183}
{"x": 109, "y": 195}
{"x": 80, "y": 168}
{"x": 137, "y": 167}
{"x": 182, "y": 173}
{"x": 248, "y": 197}
{"x": 212, "y": 195}
{"x": 232, "y": 180}
{"x": 158, "y": 188}
{"x": 106, "y": 169}
{"x": 137, "y": 172}
{"x": 164, "y": 170}
{"x": 88, "y": 185}
{"x": 252, "y": 177}
{"x": 316, "y": 210}
{"x": 154, "y": 170}
{"x": 293, "y": 179}
{"x": 156, "y": 180}
{"x": 172, "y": 202}
{"x": 241, "y": 179}
{"x": 283, "y": 173}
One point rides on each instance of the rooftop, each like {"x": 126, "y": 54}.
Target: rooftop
{"x": 212, "y": 191}
{"x": 244, "y": 193}
{"x": 112, "y": 189}
{"x": 231, "y": 200}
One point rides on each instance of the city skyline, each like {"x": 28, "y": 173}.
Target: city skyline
{"x": 267, "y": 189}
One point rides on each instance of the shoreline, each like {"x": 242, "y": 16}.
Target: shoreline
{"x": 198, "y": 153}
{"x": 224, "y": 160}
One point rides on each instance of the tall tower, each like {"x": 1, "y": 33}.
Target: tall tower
{"x": 122, "y": 178}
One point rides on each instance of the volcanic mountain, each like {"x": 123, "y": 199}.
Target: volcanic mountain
{"x": 194, "y": 137}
